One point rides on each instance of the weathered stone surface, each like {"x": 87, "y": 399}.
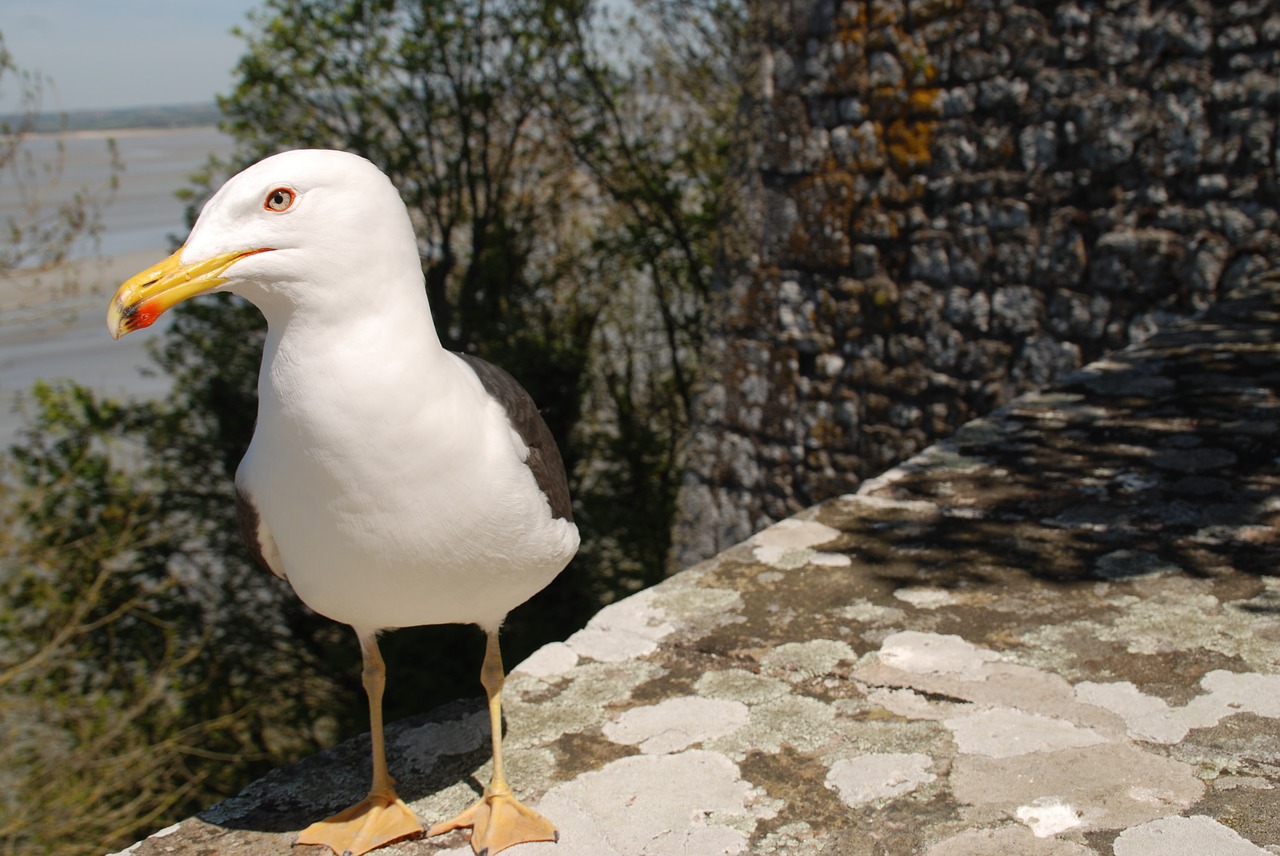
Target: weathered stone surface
{"x": 950, "y": 203}
{"x": 1056, "y": 633}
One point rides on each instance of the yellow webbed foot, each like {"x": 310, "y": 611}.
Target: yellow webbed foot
{"x": 373, "y": 822}
{"x": 497, "y": 822}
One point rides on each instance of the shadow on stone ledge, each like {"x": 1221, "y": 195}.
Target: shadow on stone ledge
{"x": 1057, "y": 633}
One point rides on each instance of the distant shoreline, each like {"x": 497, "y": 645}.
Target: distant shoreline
{"x": 137, "y": 131}
{"x": 156, "y": 118}
{"x": 52, "y": 321}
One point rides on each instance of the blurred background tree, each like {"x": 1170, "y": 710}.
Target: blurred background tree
{"x": 39, "y": 234}
{"x": 99, "y": 650}
{"x": 564, "y": 164}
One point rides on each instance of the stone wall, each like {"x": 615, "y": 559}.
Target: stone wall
{"x": 945, "y": 203}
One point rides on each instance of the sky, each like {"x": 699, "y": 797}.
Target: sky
{"x": 125, "y": 53}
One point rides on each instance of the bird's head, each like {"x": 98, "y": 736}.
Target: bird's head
{"x": 292, "y": 230}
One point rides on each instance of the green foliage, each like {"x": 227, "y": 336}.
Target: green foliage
{"x": 90, "y": 650}
{"x": 98, "y": 662}
{"x": 138, "y": 640}
{"x": 647, "y": 107}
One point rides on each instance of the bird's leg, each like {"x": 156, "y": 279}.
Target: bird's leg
{"x": 381, "y": 817}
{"x": 497, "y": 820}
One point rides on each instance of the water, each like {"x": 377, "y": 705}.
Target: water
{"x": 51, "y": 324}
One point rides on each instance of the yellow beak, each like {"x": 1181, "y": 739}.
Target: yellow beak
{"x": 146, "y": 296}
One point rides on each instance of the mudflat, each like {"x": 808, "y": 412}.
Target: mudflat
{"x": 52, "y": 321}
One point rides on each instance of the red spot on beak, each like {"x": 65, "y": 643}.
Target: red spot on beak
{"x": 144, "y": 315}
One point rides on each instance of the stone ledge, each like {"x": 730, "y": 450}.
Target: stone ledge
{"x": 1055, "y": 634}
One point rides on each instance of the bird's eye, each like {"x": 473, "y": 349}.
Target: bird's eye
{"x": 279, "y": 199}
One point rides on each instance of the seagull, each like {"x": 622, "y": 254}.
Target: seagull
{"x": 391, "y": 482}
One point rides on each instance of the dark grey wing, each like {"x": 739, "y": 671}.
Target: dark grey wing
{"x": 544, "y": 458}
{"x": 256, "y": 536}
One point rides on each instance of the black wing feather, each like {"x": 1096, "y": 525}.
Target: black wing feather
{"x": 544, "y": 458}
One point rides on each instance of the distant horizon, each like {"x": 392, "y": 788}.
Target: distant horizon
{"x": 181, "y": 105}
{"x": 119, "y": 56}
{"x": 116, "y": 118}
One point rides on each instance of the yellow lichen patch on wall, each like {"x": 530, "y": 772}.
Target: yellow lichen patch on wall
{"x": 883, "y": 62}
{"x": 907, "y": 143}
{"x": 924, "y": 101}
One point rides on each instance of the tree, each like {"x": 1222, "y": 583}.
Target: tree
{"x": 648, "y": 106}
{"x": 36, "y": 233}
{"x": 112, "y": 637}
{"x": 90, "y": 703}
